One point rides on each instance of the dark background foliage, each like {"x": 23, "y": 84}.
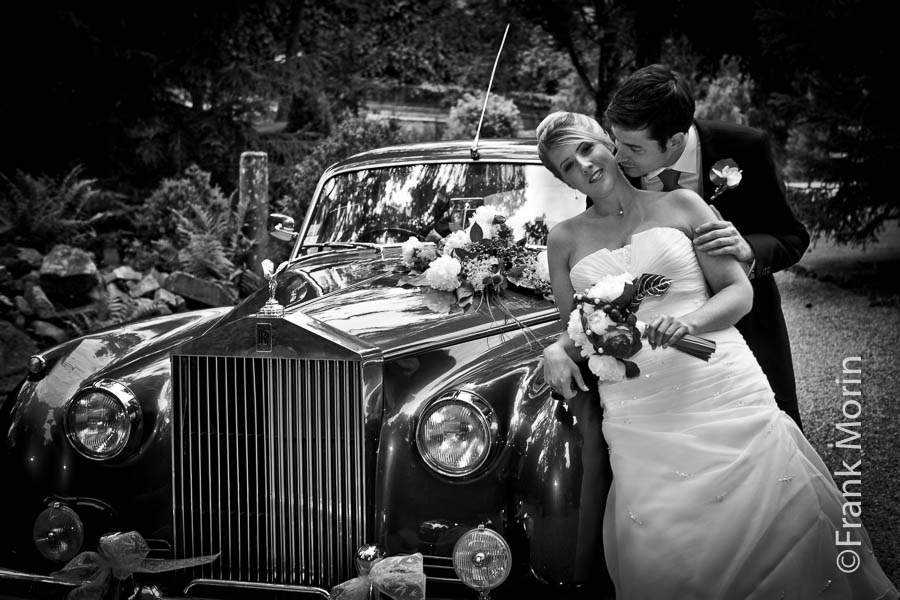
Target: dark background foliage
{"x": 136, "y": 92}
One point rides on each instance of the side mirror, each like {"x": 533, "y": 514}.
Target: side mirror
{"x": 281, "y": 227}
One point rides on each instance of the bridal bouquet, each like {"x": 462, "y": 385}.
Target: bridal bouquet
{"x": 604, "y": 325}
{"x": 478, "y": 262}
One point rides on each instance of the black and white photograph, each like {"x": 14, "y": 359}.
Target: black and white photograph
{"x": 449, "y": 300}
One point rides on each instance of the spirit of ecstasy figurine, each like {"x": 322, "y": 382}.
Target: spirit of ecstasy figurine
{"x": 272, "y": 308}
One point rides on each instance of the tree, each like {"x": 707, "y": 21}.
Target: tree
{"x": 837, "y": 106}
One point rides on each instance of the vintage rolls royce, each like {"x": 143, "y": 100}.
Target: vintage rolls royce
{"x": 352, "y": 404}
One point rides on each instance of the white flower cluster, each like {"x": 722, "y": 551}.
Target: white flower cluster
{"x": 478, "y": 269}
{"x": 408, "y": 250}
{"x": 542, "y": 267}
{"x": 457, "y": 239}
{"x": 484, "y": 216}
{"x": 443, "y": 273}
{"x": 610, "y": 287}
{"x": 606, "y": 368}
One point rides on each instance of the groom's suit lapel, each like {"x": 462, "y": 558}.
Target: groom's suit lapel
{"x": 708, "y": 151}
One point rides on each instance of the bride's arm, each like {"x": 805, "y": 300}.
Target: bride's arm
{"x": 560, "y": 370}
{"x": 732, "y": 295}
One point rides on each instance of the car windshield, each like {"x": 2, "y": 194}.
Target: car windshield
{"x": 387, "y": 205}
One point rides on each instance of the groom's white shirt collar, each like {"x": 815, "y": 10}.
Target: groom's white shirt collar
{"x": 687, "y": 162}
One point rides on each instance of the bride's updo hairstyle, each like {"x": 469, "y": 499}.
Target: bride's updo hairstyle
{"x": 563, "y": 127}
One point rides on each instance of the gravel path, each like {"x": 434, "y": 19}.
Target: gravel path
{"x": 827, "y": 324}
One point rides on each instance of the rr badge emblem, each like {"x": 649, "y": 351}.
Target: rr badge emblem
{"x": 263, "y": 337}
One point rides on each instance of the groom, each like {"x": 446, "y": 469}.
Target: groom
{"x": 660, "y": 146}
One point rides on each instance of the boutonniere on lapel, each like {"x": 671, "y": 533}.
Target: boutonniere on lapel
{"x": 725, "y": 175}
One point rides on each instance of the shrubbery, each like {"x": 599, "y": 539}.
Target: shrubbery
{"x": 350, "y": 136}
{"x": 501, "y": 119}
{"x": 40, "y": 211}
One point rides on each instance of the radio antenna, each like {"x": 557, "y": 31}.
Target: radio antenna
{"x": 474, "y": 150}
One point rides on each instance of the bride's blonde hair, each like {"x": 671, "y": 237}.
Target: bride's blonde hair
{"x": 562, "y": 127}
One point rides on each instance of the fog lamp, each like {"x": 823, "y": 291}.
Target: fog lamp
{"x": 455, "y": 434}
{"x": 482, "y": 559}
{"x": 58, "y": 533}
{"x": 101, "y": 419}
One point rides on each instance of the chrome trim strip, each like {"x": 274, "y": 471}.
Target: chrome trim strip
{"x": 548, "y": 316}
{"x": 38, "y": 579}
{"x": 265, "y": 587}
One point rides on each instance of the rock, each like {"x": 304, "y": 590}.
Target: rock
{"x": 201, "y": 291}
{"x": 145, "y": 287}
{"x": 40, "y": 302}
{"x": 19, "y": 260}
{"x": 31, "y": 257}
{"x": 173, "y": 301}
{"x": 68, "y": 272}
{"x": 6, "y": 305}
{"x": 6, "y": 279}
{"x": 49, "y": 331}
{"x": 23, "y": 306}
{"x": 126, "y": 273}
{"x": 15, "y": 349}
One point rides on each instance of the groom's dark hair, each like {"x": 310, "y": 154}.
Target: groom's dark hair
{"x": 654, "y": 98}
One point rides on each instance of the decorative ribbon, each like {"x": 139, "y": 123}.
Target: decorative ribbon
{"x": 397, "y": 577}
{"x": 119, "y": 555}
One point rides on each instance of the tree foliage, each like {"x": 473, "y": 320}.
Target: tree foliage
{"x": 501, "y": 117}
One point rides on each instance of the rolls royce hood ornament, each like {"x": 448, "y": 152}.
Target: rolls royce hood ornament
{"x": 272, "y": 308}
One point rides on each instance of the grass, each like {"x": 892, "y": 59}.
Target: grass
{"x": 841, "y": 302}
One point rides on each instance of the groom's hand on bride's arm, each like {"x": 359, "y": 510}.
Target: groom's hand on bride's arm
{"x": 721, "y": 237}
{"x": 561, "y": 372}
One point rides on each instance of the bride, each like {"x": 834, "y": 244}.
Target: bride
{"x": 716, "y": 493}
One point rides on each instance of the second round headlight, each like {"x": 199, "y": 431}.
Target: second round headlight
{"x": 455, "y": 434}
{"x": 101, "y": 419}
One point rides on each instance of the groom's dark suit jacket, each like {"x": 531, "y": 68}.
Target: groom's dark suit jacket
{"x": 759, "y": 210}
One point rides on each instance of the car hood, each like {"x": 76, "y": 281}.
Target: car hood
{"x": 367, "y": 296}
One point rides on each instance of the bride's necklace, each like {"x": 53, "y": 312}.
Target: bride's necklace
{"x": 615, "y": 213}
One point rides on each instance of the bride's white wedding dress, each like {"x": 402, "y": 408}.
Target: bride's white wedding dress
{"x": 716, "y": 494}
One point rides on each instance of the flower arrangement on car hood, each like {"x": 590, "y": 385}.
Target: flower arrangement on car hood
{"x": 478, "y": 262}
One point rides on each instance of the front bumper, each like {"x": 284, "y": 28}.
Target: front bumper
{"x": 15, "y": 585}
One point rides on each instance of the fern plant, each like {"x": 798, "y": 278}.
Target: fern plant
{"x": 40, "y": 211}
{"x": 210, "y": 236}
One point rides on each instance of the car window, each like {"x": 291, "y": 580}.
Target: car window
{"x": 389, "y": 204}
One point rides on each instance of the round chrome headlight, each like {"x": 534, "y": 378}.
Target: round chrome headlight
{"x": 456, "y": 433}
{"x": 482, "y": 559}
{"x": 58, "y": 533}
{"x": 102, "y": 419}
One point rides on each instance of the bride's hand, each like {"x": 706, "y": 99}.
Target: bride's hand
{"x": 561, "y": 373}
{"x": 665, "y": 330}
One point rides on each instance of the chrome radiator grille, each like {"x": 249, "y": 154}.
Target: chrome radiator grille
{"x": 268, "y": 457}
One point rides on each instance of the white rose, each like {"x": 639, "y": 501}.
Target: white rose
{"x": 732, "y": 176}
{"x": 576, "y": 334}
{"x": 542, "y": 267}
{"x": 610, "y": 287}
{"x": 599, "y": 322}
{"x": 606, "y": 368}
{"x": 484, "y": 216}
{"x": 408, "y": 250}
{"x": 268, "y": 268}
{"x": 443, "y": 273}
{"x": 457, "y": 239}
